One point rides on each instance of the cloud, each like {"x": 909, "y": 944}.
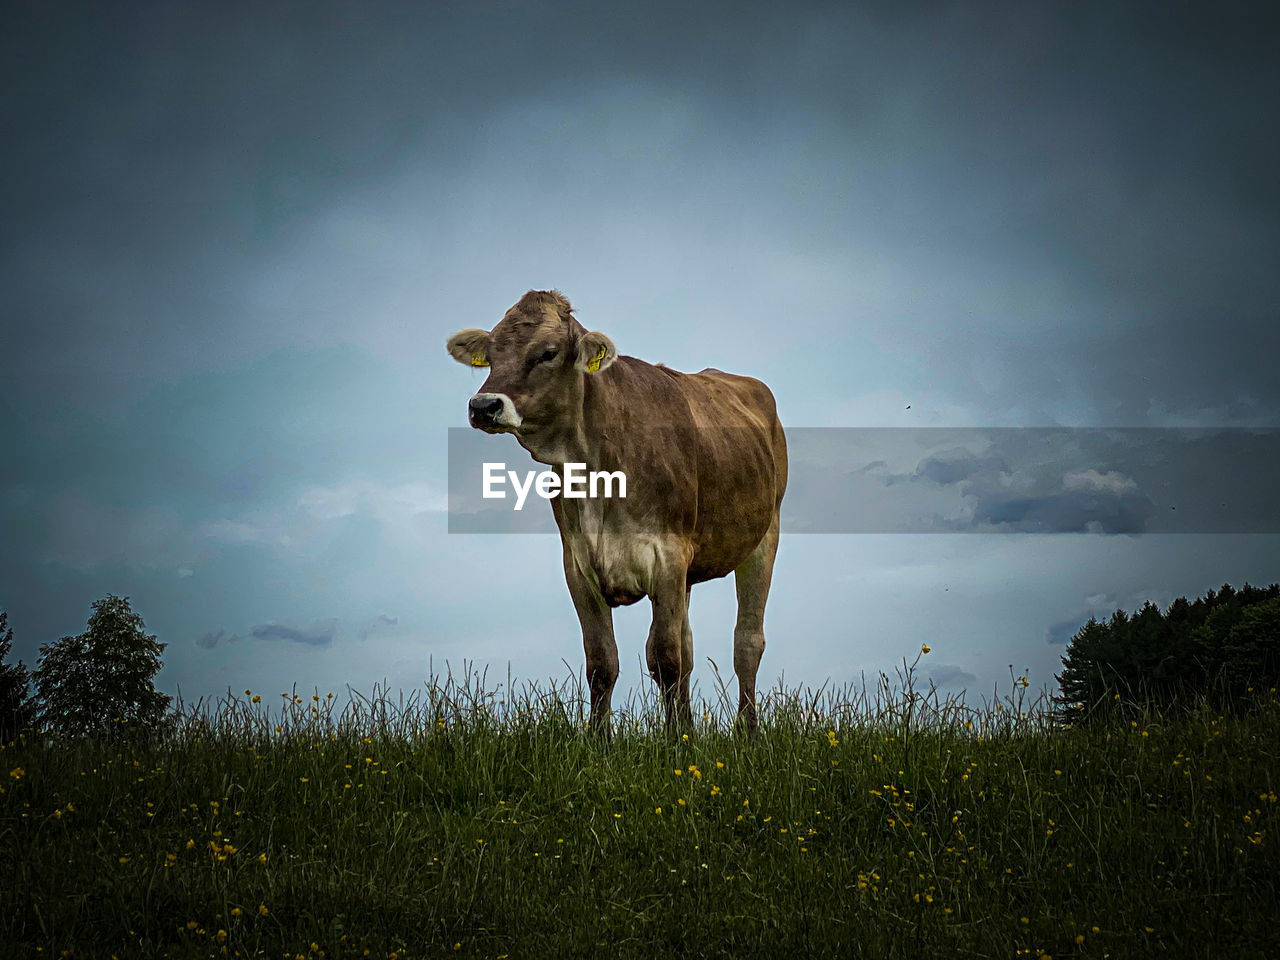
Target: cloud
{"x": 1110, "y": 481}
{"x": 1068, "y": 511}
{"x": 1060, "y": 633}
{"x": 951, "y": 676}
{"x": 1033, "y": 480}
{"x": 78, "y": 531}
{"x": 958, "y": 465}
{"x": 389, "y": 503}
{"x": 1028, "y": 499}
{"x": 210, "y": 639}
{"x": 377, "y": 623}
{"x": 1100, "y": 606}
{"x": 215, "y": 637}
{"x": 320, "y": 634}
{"x": 231, "y": 531}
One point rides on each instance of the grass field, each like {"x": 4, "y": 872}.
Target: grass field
{"x": 475, "y": 822}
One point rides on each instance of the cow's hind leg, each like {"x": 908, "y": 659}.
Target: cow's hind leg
{"x": 752, "y": 579}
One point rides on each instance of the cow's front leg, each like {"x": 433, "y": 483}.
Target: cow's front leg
{"x": 598, "y": 642}
{"x": 686, "y": 655}
{"x": 669, "y": 663}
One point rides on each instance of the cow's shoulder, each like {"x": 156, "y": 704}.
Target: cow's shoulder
{"x": 656, "y": 381}
{"x": 735, "y": 390}
{"x": 657, "y": 393}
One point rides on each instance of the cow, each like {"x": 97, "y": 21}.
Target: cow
{"x": 705, "y": 460}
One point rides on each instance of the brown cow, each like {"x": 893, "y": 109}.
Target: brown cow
{"x": 706, "y": 465}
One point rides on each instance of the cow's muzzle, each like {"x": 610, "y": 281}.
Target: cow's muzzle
{"x": 492, "y": 412}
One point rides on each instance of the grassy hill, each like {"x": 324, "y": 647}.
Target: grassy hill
{"x": 481, "y": 823}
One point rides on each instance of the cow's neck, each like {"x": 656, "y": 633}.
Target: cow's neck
{"x": 556, "y": 448}
{"x": 567, "y": 441}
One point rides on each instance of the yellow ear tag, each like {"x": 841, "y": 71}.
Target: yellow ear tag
{"x": 593, "y": 365}
{"x": 478, "y": 360}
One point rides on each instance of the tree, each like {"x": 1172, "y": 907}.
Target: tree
{"x": 1087, "y": 679}
{"x": 1220, "y": 646}
{"x": 100, "y": 682}
{"x": 1252, "y": 647}
{"x": 17, "y": 711}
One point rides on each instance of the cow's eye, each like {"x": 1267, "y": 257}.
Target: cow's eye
{"x": 548, "y": 355}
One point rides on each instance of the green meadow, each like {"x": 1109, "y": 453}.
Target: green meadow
{"x": 466, "y": 821}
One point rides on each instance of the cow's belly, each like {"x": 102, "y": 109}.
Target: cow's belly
{"x": 623, "y": 566}
{"x": 721, "y": 558}
{"x": 626, "y": 567}
{"x": 725, "y": 540}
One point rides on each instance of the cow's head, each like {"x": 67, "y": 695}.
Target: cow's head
{"x": 537, "y": 356}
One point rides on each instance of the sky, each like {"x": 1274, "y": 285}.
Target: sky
{"x": 236, "y": 237}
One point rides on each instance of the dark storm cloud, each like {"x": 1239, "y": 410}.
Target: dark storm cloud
{"x": 243, "y": 442}
{"x": 1068, "y": 210}
{"x": 1069, "y": 490}
{"x": 956, "y": 465}
{"x": 1067, "y": 512}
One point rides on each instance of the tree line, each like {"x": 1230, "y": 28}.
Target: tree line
{"x": 1224, "y": 646}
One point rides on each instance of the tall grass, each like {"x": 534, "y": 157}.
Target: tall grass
{"x": 478, "y": 819}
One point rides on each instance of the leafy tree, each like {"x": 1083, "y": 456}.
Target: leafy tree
{"x": 100, "y": 682}
{"x": 17, "y": 711}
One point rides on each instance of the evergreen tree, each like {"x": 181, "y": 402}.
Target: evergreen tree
{"x": 1251, "y": 649}
{"x": 17, "y": 711}
{"x": 1086, "y": 679}
{"x": 1222, "y": 645}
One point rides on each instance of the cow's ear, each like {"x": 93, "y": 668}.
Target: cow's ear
{"x": 470, "y": 346}
{"x": 595, "y": 352}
